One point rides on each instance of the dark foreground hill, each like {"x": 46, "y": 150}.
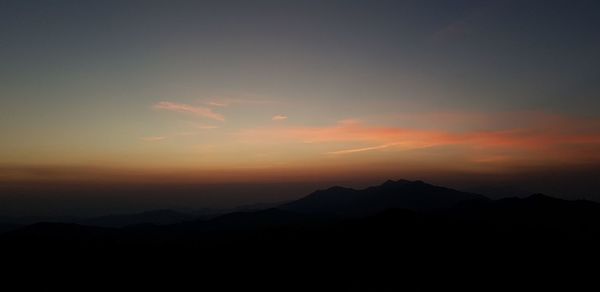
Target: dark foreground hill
{"x": 462, "y": 241}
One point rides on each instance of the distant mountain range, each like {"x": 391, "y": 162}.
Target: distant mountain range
{"x": 334, "y": 202}
{"x": 401, "y": 235}
{"x": 156, "y": 217}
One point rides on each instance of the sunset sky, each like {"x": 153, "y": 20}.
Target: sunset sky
{"x": 276, "y": 91}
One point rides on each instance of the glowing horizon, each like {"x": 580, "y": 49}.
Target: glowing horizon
{"x": 278, "y": 92}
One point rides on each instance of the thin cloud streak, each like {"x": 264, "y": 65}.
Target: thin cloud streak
{"x": 217, "y": 104}
{"x": 537, "y": 139}
{"x": 205, "y": 127}
{"x": 226, "y": 102}
{"x": 279, "y": 118}
{"x": 349, "y": 151}
{"x": 184, "y": 108}
{"x": 153, "y": 138}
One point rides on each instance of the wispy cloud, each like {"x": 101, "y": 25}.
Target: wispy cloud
{"x": 184, "y": 108}
{"x": 539, "y": 138}
{"x": 153, "y": 138}
{"x": 226, "y": 102}
{"x": 343, "y": 131}
{"x": 363, "y": 149}
{"x": 218, "y": 104}
{"x": 279, "y": 118}
{"x": 204, "y": 126}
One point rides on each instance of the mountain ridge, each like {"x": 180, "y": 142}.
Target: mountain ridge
{"x": 403, "y": 194}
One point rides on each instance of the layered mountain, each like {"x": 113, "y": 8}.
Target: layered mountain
{"x": 400, "y": 194}
{"x": 158, "y": 217}
{"x": 410, "y": 229}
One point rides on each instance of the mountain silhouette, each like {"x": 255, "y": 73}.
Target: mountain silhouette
{"x": 401, "y": 194}
{"x": 243, "y": 221}
{"x": 158, "y": 217}
{"x": 401, "y": 235}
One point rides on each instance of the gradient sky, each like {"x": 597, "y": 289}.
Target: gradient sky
{"x": 270, "y": 91}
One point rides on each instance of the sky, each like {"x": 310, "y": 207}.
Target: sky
{"x": 300, "y": 92}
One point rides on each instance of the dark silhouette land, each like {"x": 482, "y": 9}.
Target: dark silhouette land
{"x": 401, "y": 235}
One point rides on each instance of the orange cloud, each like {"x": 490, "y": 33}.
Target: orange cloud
{"x": 343, "y": 131}
{"x": 552, "y": 138}
{"x": 184, "y": 108}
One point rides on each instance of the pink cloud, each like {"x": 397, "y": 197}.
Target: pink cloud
{"x": 553, "y": 137}
{"x": 343, "y": 131}
{"x": 184, "y": 108}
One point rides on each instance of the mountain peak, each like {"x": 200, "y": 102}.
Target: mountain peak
{"x": 403, "y": 194}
